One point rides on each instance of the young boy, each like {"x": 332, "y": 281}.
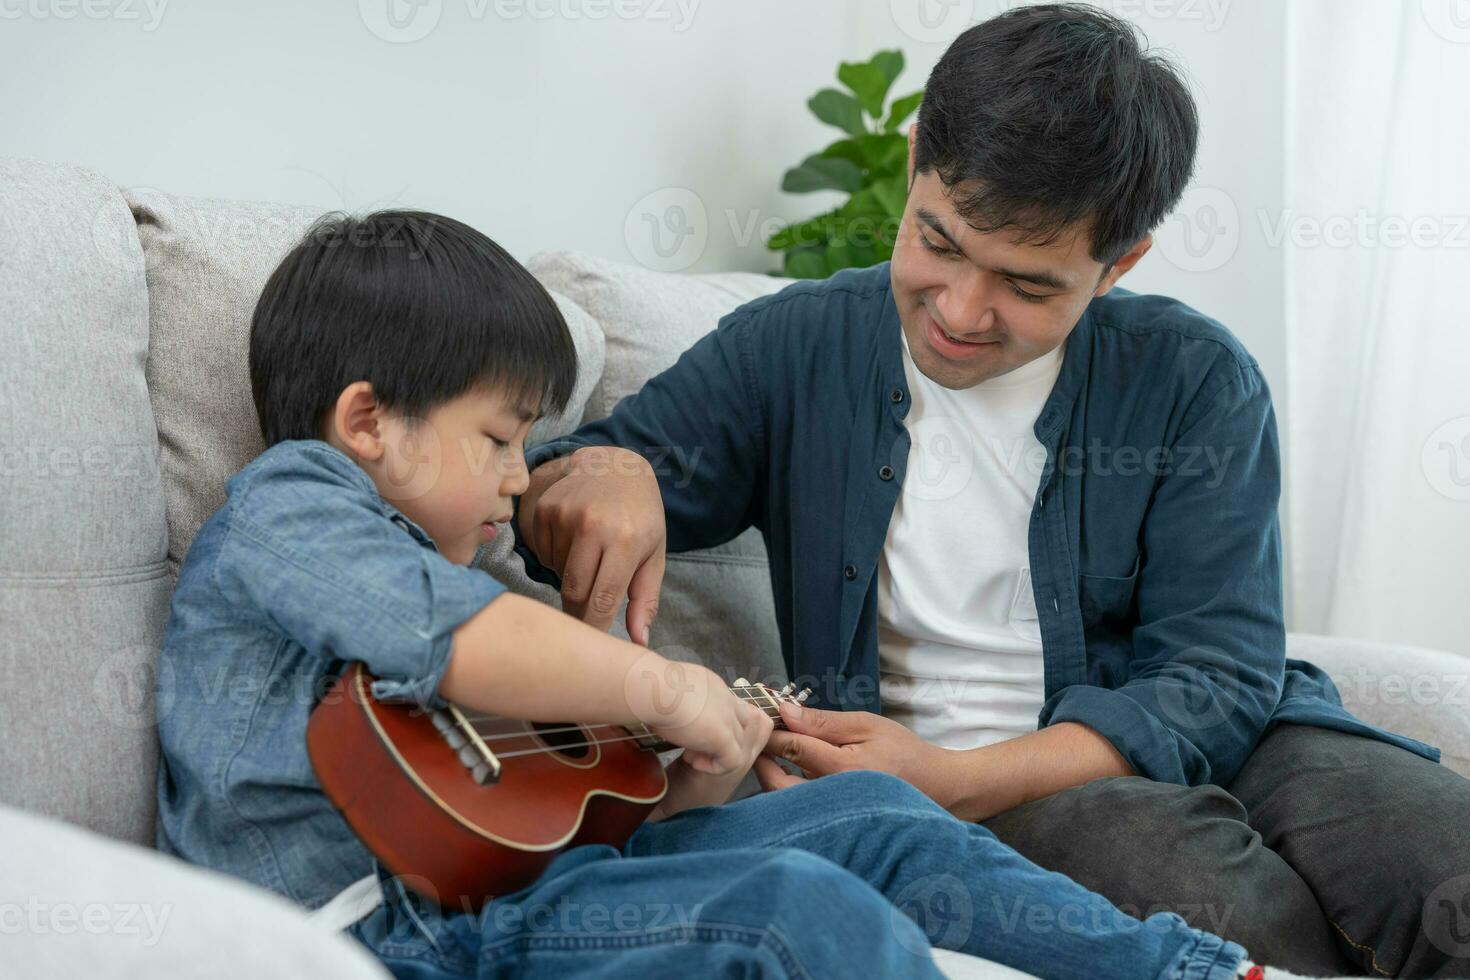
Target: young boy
{"x": 397, "y": 363}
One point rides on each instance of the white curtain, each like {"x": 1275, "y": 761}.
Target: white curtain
{"x": 1375, "y": 236}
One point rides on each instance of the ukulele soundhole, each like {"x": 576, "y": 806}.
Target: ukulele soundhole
{"x": 563, "y": 736}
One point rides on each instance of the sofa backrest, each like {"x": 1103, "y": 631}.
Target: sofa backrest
{"x": 84, "y": 582}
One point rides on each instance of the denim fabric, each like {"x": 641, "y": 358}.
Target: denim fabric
{"x": 1154, "y": 540}
{"x": 595, "y": 914}
{"x": 305, "y": 567}
{"x": 965, "y": 889}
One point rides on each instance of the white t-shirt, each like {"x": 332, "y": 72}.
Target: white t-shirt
{"x": 958, "y": 640}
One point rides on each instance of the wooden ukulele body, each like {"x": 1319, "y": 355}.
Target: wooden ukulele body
{"x": 410, "y": 796}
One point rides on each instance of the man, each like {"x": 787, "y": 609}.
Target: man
{"x": 1088, "y": 656}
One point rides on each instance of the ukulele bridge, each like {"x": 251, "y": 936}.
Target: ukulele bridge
{"x": 469, "y": 747}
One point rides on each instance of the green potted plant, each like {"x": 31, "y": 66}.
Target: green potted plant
{"x": 869, "y": 163}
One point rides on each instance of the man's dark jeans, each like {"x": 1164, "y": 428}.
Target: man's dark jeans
{"x": 1329, "y": 854}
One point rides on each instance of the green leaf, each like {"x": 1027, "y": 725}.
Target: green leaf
{"x": 819, "y": 173}
{"x": 901, "y": 109}
{"x": 891, "y": 193}
{"x": 813, "y": 231}
{"x": 870, "y": 80}
{"x": 806, "y": 263}
{"x": 877, "y": 153}
{"x": 838, "y": 109}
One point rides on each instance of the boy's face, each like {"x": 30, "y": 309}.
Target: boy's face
{"x": 453, "y": 473}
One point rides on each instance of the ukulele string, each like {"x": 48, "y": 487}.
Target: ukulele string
{"x": 742, "y": 694}
{"x": 773, "y": 707}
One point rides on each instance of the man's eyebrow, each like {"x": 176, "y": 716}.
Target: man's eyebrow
{"x": 1040, "y": 277}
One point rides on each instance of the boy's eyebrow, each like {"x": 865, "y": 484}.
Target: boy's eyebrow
{"x": 1040, "y": 277}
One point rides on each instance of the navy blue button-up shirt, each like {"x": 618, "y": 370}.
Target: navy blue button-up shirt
{"x": 1154, "y": 539}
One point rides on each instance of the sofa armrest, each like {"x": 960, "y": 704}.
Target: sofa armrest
{"x": 76, "y": 904}
{"x": 1421, "y": 693}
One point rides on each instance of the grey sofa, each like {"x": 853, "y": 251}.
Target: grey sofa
{"x": 123, "y": 318}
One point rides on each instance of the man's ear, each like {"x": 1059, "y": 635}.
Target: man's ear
{"x": 355, "y": 425}
{"x": 1127, "y": 261}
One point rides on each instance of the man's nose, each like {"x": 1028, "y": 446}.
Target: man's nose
{"x": 966, "y": 307}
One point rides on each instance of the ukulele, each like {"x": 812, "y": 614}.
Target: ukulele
{"x": 465, "y": 807}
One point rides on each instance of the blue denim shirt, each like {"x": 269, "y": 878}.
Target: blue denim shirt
{"x": 305, "y": 567}
{"x": 1154, "y": 541}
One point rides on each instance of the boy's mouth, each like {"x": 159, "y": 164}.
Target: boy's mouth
{"x": 492, "y": 528}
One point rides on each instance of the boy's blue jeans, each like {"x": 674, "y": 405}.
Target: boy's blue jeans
{"x": 853, "y": 872}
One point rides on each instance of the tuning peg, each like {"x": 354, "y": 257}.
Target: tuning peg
{"x": 806, "y": 692}
{"x": 786, "y": 691}
{"x": 741, "y": 682}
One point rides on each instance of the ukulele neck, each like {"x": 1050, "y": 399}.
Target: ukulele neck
{"x": 763, "y": 697}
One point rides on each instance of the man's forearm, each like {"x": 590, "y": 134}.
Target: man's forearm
{"x": 983, "y": 782}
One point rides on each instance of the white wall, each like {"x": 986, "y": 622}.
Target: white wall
{"x": 569, "y": 124}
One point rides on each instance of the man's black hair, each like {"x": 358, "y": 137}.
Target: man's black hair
{"x": 422, "y": 307}
{"x": 1049, "y": 115}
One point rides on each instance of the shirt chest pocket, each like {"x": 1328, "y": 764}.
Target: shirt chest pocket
{"x": 1023, "y": 618}
{"x": 1107, "y": 600}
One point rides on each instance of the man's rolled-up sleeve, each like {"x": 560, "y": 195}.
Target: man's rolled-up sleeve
{"x": 1209, "y": 645}
{"x": 323, "y": 565}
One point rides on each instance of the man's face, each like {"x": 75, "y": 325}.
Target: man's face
{"x": 976, "y": 305}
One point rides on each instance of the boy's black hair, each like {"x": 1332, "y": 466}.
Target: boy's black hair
{"x": 422, "y": 307}
{"x": 1048, "y": 115}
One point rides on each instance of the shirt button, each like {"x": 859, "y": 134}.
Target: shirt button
{"x": 885, "y": 473}
{"x": 850, "y": 572}
{"x": 896, "y": 395}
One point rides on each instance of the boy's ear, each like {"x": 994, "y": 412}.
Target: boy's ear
{"x": 355, "y": 425}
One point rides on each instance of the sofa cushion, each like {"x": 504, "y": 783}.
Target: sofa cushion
{"x": 207, "y": 261}
{"x": 81, "y": 906}
{"x": 1424, "y": 694}
{"x": 83, "y": 583}
{"x": 716, "y": 604}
